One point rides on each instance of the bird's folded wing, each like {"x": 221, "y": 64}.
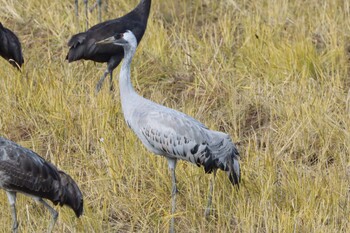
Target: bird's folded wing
{"x": 27, "y": 171}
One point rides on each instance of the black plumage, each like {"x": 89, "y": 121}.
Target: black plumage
{"x": 83, "y": 45}
{"x": 24, "y": 171}
{"x": 10, "y": 47}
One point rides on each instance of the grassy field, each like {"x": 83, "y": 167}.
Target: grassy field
{"x": 272, "y": 74}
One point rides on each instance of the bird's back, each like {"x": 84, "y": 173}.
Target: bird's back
{"x": 27, "y": 172}
{"x": 22, "y": 170}
{"x": 82, "y": 45}
{"x": 10, "y": 47}
{"x": 174, "y": 134}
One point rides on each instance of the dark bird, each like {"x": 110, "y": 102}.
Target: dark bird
{"x": 10, "y": 47}
{"x": 170, "y": 133}
{"x": 24, "y": 171}
{"x": 83, "y": 45}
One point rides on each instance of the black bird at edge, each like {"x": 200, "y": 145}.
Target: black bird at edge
{"x": 24, "y": 171}
{"x": 10, "y": 47}
{"x": 83, "y": 45}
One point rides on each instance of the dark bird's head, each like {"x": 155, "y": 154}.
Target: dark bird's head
{"x": 10, "y": 47}
{"x": 71, "y": 195}
{"x": 122, "y": 39}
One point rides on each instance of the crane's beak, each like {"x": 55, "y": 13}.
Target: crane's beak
{"x": 108, "y": 40}
{"x": 113, "y": 40}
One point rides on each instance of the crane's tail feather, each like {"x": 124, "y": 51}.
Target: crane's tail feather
{"x": 76, "y": 47}
{"x": 233, "y": 171}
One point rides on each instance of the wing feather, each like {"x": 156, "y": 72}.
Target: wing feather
{"x": 177, "y": 135}
{"x": 26, "y": 171}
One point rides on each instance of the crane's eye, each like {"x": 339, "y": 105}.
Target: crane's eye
{"x": 118, "y": 36}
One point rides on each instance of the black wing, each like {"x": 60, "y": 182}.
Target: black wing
{"x": 82, "y": 45}
{"x": 25, "y": 171}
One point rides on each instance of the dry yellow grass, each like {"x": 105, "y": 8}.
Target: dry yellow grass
{"x": 273, "y": 74}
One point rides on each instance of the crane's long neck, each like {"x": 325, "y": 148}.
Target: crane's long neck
{"x": 127, "y": 91}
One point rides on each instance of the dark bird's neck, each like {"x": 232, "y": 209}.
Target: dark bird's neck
{"x": 141, "y": 11}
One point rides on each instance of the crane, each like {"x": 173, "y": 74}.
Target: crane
{"x": 10, "y": 47}
{"x": 170, "y": 133}
{"x": 24, "y": 171}
{"x": 83, "y": 46}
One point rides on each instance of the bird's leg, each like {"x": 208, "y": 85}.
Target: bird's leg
{"x": 93, "y": 7}
{"x": 102, "y": 79}
{"x": 76, "y": 11}
{"x": 172, "y": 166}
{"x": 99, "y": 3}
{"x": 12, "y": 199}
{"x": 210, "y": 196}
{"x": 111, "y": 86}
{"x": 53, "y": 213}
{"x": 76, "y": 8}
{"x": 86, "y": 14}
{"x": 173, "y": 202}
{"x": 106, "y": 5}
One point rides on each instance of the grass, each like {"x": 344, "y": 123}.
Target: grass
{"x": 272, "y": 74}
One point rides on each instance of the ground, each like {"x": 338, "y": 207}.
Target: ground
{"x": 272, "y": 74}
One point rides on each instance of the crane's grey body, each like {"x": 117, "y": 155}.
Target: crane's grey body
{"x": 170, "y": 133}
{"x": 24, "y": 171}
{"x": 175, "y": 135}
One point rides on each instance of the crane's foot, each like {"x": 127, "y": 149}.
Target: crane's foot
{"x": 111, "y": 87}
{"x": 171, "y": 230}
{"x": 15, "y": 227}
{"x": 98, "y": 86}
{"x": 207, "y": 213}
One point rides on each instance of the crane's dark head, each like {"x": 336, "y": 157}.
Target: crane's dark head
{"x": 71, "y": 195}
{"x": 122, "y": 39}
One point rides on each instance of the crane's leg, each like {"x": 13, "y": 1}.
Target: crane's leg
{"x": 106, "y": 5}
{"x": 76, "y": 6}
{"x": 210, "y": 196}
{"x": 102, "y": 79}
{"x": 99, "y": 3}
{"x": 111, "y": 85}
{"x": 86, "y": 14}
{"x": 172, "y": 166}
{"x": 53, "y": 213}
{"x": 173, "y": 203}
{"x": 12, "y": 199}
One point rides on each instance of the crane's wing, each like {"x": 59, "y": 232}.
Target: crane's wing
{"x": 26, "y": 171}
{"x": 176, "y": 135}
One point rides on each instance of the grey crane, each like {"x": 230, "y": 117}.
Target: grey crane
{"x": 24, "y": 171}
{"x": 83, "y": 45}
{"x": 10, "y": 47}
{"x": 170, "y": 133}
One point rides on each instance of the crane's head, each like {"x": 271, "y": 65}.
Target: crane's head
{"x": 71, "y": 195}
{"x": 122, "y": 39}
